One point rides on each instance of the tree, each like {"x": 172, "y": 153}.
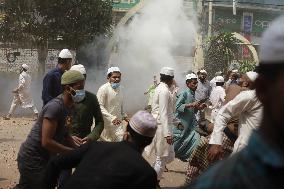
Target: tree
{"x": 61, "y": 23}
{"x": 221, "y": 50}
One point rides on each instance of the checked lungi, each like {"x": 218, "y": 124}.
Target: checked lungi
{"x": 198, "y": 161}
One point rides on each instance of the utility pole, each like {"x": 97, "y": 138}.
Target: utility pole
{"x": 210, "y": 7}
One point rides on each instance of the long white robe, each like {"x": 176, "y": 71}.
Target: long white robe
{"x": 24, "y": 95}
{"x": 217, "y": 98}
{"x": 248, "y": 108}
{"x": 163, "y": 112}
{"x": 111, "y": 103}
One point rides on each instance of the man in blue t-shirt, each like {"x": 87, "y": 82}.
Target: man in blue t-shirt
{"x": 51, "y": 81}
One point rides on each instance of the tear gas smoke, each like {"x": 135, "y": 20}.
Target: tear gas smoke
{"x": 160, "y": 32}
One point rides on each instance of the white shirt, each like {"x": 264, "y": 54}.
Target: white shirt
{"x": 203, "y": 90}
{"x": 213, "y": 83}
{"x": 217, "y": 97}
{"x": 24, "y": 90}
{"x": 162, "y": 108}
{"x": 248, "y": 108}
{"x": 111, "y": 103}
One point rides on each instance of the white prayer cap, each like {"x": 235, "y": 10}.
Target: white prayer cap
{"x": 252, "y": 76}
{"x": 190, "y": 76}
{"x": 65, "y": 53}
{"x": 80, "y": 68}
{"x": 25, "y": 66}
{"x": 143, "y": 123}
{"x": 113, "y": 69}
{"x": 203, "y": 71}
{"x": 219, "y": 73}
{"x": 167, "y": 71}
{"x": 235, "y": 71}
{"x": 219, "y": 79}
{"x": 272, "y": 43}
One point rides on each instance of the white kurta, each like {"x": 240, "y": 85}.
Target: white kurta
{"x": 217, "y": 98}
{"x": 111, "y": 103}
{"x": 213, "y": 83}
{"x": 163, "y": 112}
{"x": 248, "y": 108}
{"x": 24, "y": 94}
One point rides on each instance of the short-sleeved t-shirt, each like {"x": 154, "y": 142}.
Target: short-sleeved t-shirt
{"x": 31, "y": 154}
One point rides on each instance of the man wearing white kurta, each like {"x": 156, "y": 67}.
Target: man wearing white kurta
{"x": 249, "y": 109}
{"x": 162, "y": 110}
{"x": 111, "y": 102}
{"x": 217, "y": 97}
{"x": 22, "y": 94}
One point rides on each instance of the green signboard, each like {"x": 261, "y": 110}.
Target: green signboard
{"x": 234, "y": 23}
{"x": 124, "y": 4}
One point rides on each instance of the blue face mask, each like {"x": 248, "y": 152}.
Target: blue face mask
{"x": 115, "y": 85}
{"x": 79, "y": 96}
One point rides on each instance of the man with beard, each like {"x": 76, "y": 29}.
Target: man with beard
{"x": 261, "y": 163}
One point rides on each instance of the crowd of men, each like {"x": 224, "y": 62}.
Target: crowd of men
{"x": 244, "y": 132}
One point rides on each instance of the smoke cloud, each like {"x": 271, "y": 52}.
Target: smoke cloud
{"x": 159, "y": 34}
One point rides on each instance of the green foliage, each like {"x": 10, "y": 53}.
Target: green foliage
{"x": 76, "y": 22}
{"x": 221, "y": 50}
{"x": 246, "y": 66}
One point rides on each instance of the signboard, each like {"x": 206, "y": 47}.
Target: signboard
{"x": 247, "y": 29}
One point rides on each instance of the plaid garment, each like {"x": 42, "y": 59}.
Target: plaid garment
{"x": 198, "y": 160}
{"x": 258, "y": 166}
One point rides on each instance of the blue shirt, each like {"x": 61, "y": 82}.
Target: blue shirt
{"x": 51, "y": 85}
{"x": 259, "y": 165}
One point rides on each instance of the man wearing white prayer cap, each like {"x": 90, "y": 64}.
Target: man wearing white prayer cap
{"x": 163, "y": 112}
{"x": 122, "y": 164}
{"x": 247, "y": 107}
{"x": 80, "y": 68}
{"x": 110, "y": 97}
{"x": 264, "y": 152}
{"x": 22, "y": 95}
{"x": 185, "y": 138}
{"x": 86, "y": 110}
{"x": 52, "y": 80}
{"x": 217, "y": 97}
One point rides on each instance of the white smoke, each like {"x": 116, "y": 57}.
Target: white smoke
{"x": 149, "y": 42}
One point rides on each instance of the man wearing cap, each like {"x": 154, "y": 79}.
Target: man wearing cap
{"x": 248, "y": 108}
{"x": 217, "y": 97}
{"x": 110, "y": 98}
{"x": 163, "y": 112}
{"x": 22, "y": 95}
{"x": 185, "y": 137}
{"x": 260, "y": 164}
{"x": 202, "y": 92}
{"x": 111, "y": 164}
{"x": 49, "y": 135}
{"x": 213, "y": 82}
{"x": 85, "y": 110}
{"x": 51, "y": 81}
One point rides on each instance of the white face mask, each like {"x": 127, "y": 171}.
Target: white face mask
{"x": 115, "y": 85}
{"x": 79, "y": 96}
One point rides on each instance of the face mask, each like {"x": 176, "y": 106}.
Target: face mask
{"x": 79, "y": 96}
{"x": 115, "y": 85}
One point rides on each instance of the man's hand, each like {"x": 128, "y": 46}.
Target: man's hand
{"x": 116, "y": 122}
{"x": 169, "y": 140}
{"x": 201, "y": 106}
{"x": 192, "y": 105}
{"x": 86, "y": 140}
{"x": 214, "y": 152}
{"x": 78, "y": 141}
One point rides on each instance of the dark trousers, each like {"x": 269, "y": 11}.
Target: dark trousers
{"x": 30, "y": 179}
{"x": 63, "y": 178}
